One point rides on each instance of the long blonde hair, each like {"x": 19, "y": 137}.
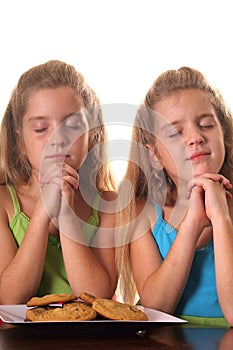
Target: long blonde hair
{"x": 15, "y": 167}
{"x": 140, "y": 174}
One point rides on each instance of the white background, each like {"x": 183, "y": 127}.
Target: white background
{"x": 120, "y": 46}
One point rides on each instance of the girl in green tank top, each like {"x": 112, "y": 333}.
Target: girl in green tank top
{"x": 57, "y": 190}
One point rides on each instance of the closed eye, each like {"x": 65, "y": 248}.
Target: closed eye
{"x": 39, "y": 131}
{"x": 207, "y": 122}
{"x": 170, "y": 131}
{"x": 74, "y": 124}
{"x": 175, "y": 134}
{"x": 207, "y": 126}
{"x": 75, "y": 121}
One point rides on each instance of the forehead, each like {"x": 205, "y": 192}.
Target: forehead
{"x": 185, "y": 103}
{"x": 186, "y": 97}
{"x": 53, "y": 100}
{"x": 54, "y": 91}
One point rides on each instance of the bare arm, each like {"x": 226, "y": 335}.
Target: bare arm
{"x": 160, "y": 284}
{"x": 21, "y": 269}
{"x": 89, "y": 269}
{"x": 223, "y": 243}
{"x": 220, "y": 212}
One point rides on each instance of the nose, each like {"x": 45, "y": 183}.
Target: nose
{"x": 59, "y": 137}
{"x": 194, "y": 137}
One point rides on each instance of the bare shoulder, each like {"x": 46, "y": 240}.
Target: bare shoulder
{"x": 107, "y": 208}
{"x": 108, "y": 202}
{"x": 146, "y": 208}
{"x": 3, "y": 190}
{"x": 146, "y": 217}
{"x": 8, "y": 244}
{"x": 109, "y": 196}
{"x": 6, "y": 205}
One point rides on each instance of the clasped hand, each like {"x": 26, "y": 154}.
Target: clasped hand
{"x": 58, "y": 183}
{"x": 208, "y": 195}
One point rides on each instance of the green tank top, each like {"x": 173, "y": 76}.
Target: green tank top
{"x": 54, "y": 278}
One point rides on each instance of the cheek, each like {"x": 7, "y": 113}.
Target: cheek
{"x": 35, "y": 147}
{"x": 172, "y": 159}
{"x": 34, "y": 151}
{"x": 166, "y": 154}
{"x": 80, "y": 147}
{"x": 221, "y": 155}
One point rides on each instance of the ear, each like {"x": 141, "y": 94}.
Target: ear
{"x": 153, "y": 159}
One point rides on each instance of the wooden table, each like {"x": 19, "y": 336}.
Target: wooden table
{"x": 165, "y": 337}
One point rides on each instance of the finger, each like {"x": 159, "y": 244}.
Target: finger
{"x": 194, "y": 187}
{"x": 47, "y": 175}
{"x": 71, "y": 181}
{"x": 228, "y": 195}
{"x": 218, "y": 178}
{"x": 56, "y": 171}
{"x": 227, "y": 184}
{"x": 212, "y": 176}
{"x": 69, "y": 170}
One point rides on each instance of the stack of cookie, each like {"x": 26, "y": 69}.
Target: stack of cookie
{"x": 87, "y": 308}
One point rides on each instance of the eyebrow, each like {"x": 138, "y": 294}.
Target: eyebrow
{"x": 37, "y": 118}
{"x": 169, "y": 125}
{"x": 41, "y": 117}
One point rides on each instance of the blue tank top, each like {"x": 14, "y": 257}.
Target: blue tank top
{"x": 199, "y": 298}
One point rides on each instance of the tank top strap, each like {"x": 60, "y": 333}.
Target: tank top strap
{"x": 158, "y": 211}
{"x": 96, "y": 203}
{"x": 14, "y": 198}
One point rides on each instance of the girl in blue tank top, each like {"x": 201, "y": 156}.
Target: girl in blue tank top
{"x": 178, "y": 240}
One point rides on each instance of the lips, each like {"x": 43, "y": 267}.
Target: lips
{"x": 59, "y": 156}
{"x": 198, "y": 155}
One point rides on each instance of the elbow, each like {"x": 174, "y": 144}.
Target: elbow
{"x": 155, "y": 304}
{"x": 228, "y": 314}
{"x": 157, "y": 301}
{"x": 229, "y": 318}
{"x": 230, "y": 321}
{"x": 147, "y": 302}
{"x": 8, "y": 300}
